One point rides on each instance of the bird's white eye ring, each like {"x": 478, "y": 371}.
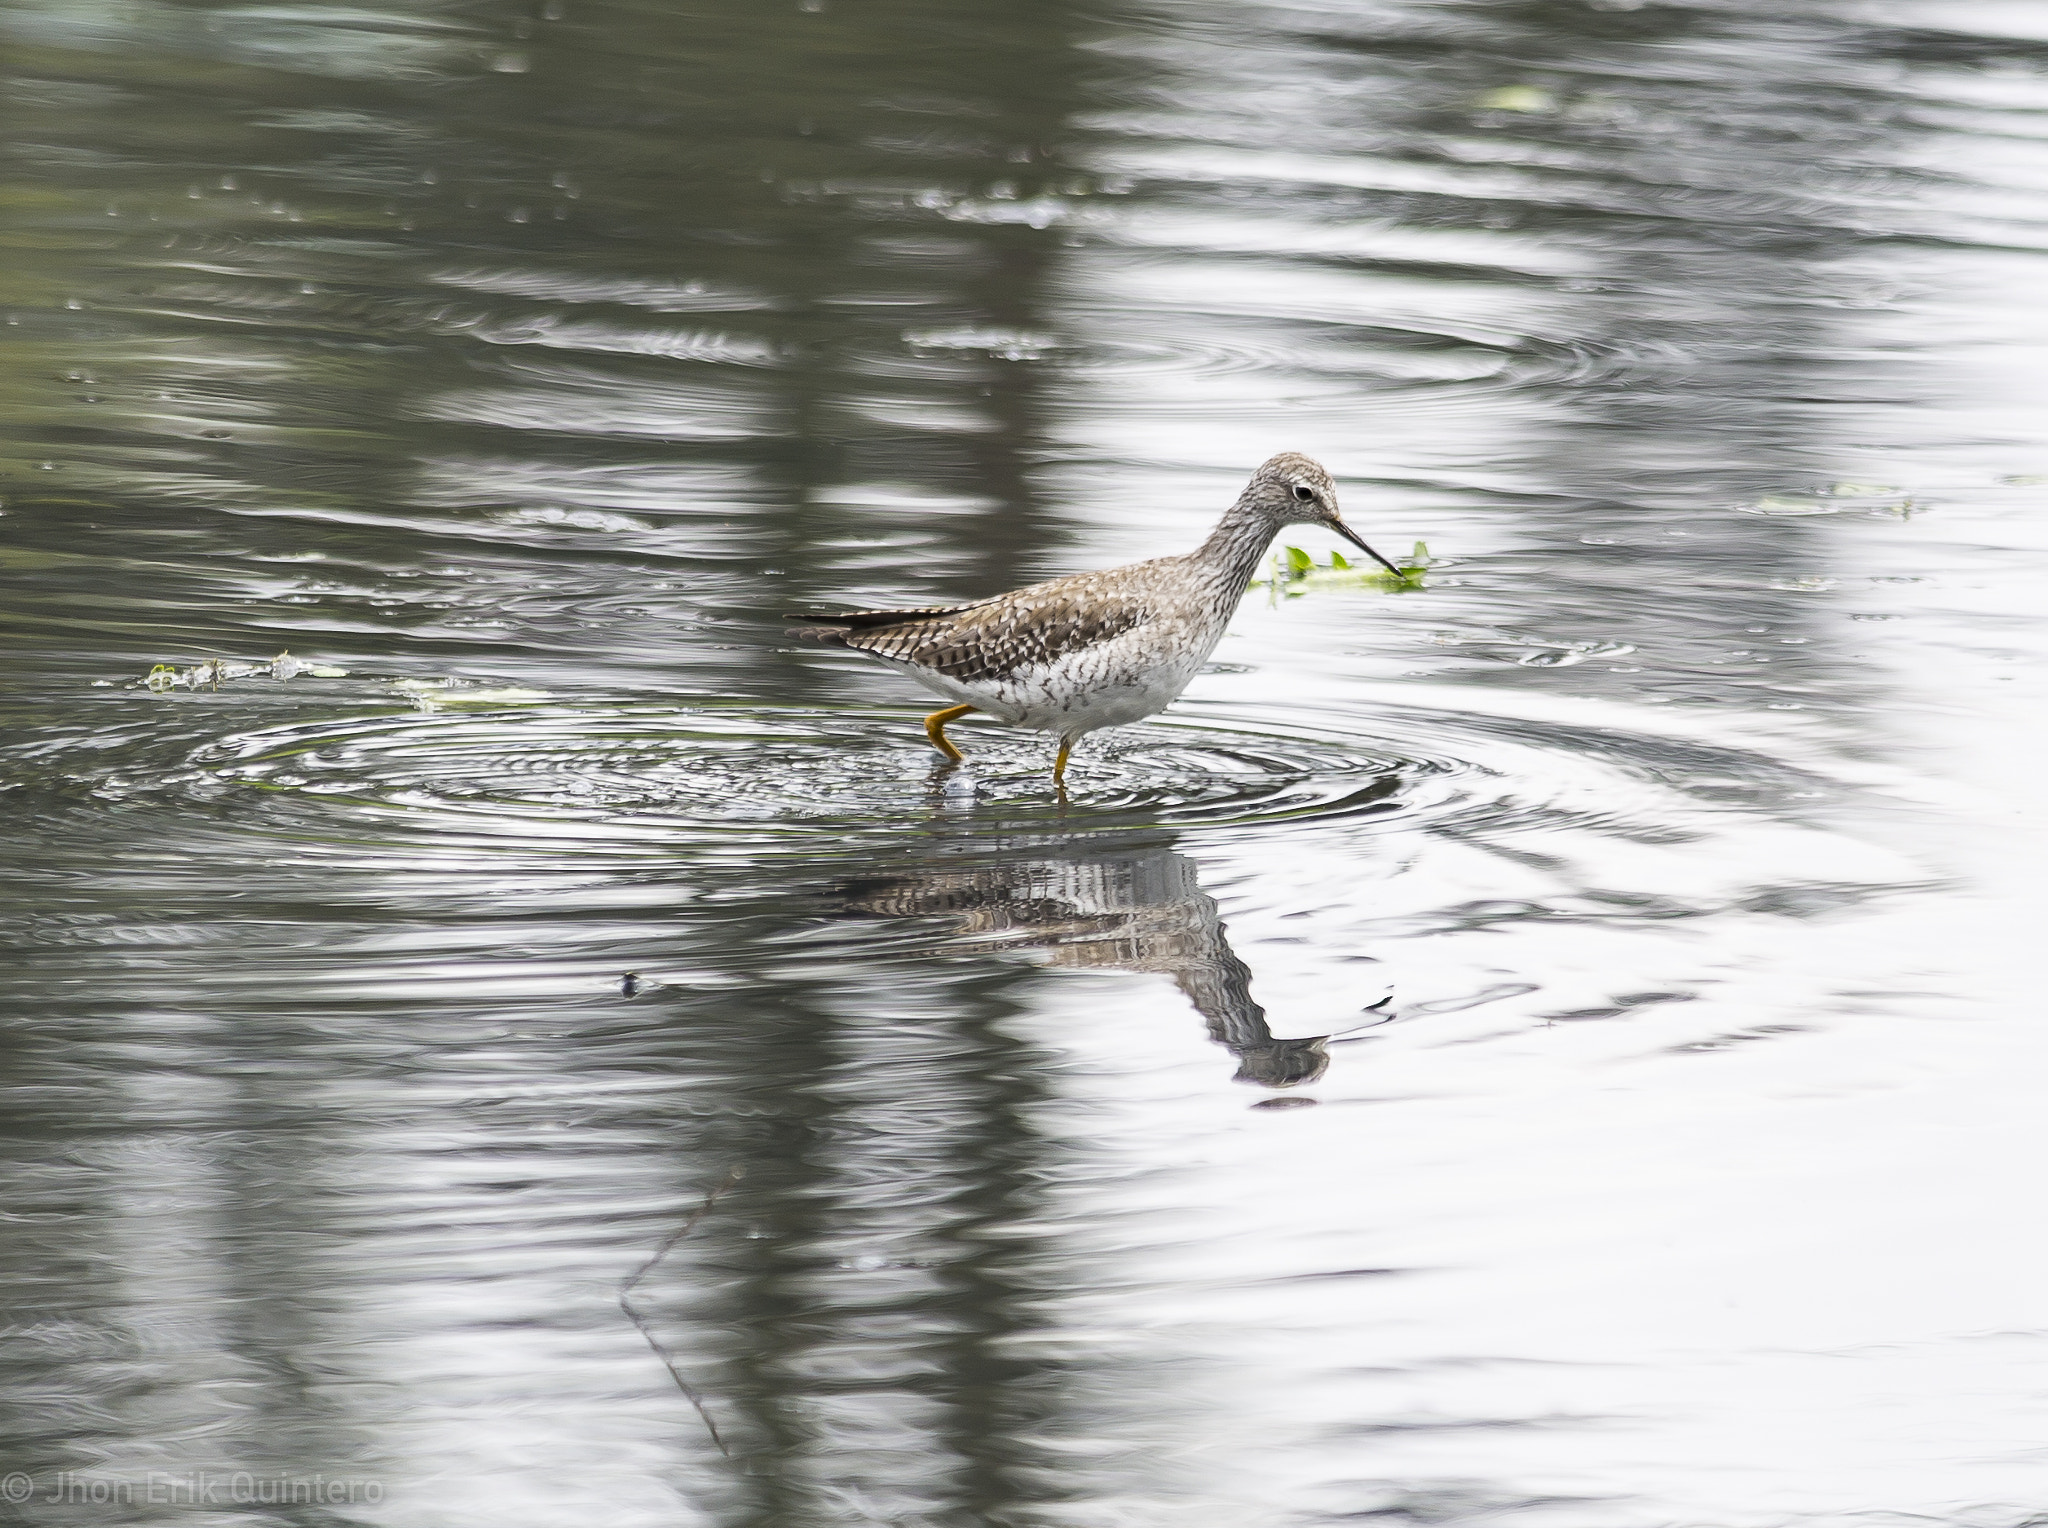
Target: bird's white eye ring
{"x": 1304, "y": 493}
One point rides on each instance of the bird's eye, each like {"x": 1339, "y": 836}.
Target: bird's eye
{"x": 1304, "y": 493}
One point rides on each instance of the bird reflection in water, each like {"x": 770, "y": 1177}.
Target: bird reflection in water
{"x": 1129, "y": 908}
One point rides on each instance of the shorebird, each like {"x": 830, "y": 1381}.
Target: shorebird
{"x": 1093, "y": 650}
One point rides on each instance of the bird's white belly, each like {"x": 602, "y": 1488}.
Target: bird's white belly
{"x": 1108, "y": 685}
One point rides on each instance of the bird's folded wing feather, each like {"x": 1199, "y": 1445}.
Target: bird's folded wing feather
{"x": 987, "y": 640}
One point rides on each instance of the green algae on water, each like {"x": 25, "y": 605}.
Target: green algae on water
{"x": 209, "y": 672}
{"x": 1295, "y": 573}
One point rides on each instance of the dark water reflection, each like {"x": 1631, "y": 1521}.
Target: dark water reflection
{"x": 443, "y": 401}
{"x": 1125, "y": 908}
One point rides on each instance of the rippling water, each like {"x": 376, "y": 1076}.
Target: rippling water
{"x": 1551, "y": 1047}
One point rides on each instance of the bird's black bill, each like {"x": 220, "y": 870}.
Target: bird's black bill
{"x": 1356, "y": 540}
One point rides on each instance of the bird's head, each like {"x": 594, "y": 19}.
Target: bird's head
{"x": 1292, "y": 489}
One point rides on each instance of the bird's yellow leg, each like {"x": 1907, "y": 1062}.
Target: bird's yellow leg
{"x": 1059, "y": 764}
{"x": 935, "y": 729}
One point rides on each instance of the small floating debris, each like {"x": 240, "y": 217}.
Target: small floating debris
{"x": 999, "y": 344}
{"x": 209, "y": 673}
{"x": 1296, "y": 572}
{"x": 1836, "y": 499}
{"x": 1529, "y": 98}
{"x": 1811, "y": 584}
{"x": 553, "y": 516}
{"x": 433, "y": 694}
{"x": 1565, "y": 654}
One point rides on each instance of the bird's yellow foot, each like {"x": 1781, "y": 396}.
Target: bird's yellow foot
{"x": 935, "y": 729}
{"x": 1059, "y": 765}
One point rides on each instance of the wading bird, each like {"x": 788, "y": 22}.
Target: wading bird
{"x": 1093, "y": 650}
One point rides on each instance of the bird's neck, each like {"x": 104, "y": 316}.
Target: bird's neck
{"x": 1236, "y": 547}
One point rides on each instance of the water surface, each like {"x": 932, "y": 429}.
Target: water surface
{"x": 1554, "y": 1047}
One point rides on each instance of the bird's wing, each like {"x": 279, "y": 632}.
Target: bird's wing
{"x": 1028, "y": 629}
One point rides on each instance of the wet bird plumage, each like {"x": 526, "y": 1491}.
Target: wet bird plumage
{"x": 1091, "y": 650}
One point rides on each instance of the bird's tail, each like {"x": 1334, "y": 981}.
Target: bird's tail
{"x": 833, "y": 630}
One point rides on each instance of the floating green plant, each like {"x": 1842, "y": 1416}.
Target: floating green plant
{"x": 209, "y": 672}
{"x": 434, "y": 694}
{"x": 1837, "y": 498}
{"x": 1529, "y": 98}
{"x": 1296, "y": 573}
